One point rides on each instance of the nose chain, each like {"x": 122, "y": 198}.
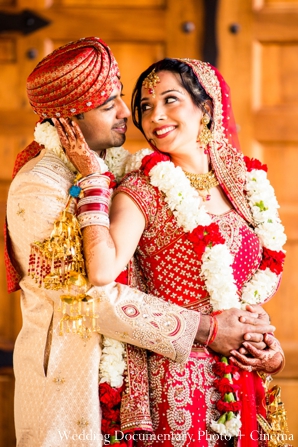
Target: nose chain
{"x": 203, "y": 183}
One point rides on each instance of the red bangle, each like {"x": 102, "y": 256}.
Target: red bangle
{"x": 104, "y": 192}
{"x": 214, "y": 331}
{"x": 93, "y": 207}
{"x": 210, "y": 330}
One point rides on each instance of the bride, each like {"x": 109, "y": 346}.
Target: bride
{"x": 201, "y": 221}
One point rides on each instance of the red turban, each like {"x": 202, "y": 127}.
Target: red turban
{"x": 73, "y": 79}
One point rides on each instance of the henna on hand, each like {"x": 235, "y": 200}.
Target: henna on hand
{"x": 76, "y": 147}
{"x": 269, "y": 360}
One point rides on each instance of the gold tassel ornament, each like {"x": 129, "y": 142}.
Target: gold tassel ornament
{"x": 58, "y": 263}
{"x": 276, "y": 426}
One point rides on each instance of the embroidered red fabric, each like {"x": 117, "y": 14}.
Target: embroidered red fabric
{"x": 12, "y": 276}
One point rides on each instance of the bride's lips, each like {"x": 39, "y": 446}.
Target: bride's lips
{"x": 162, "y": 132}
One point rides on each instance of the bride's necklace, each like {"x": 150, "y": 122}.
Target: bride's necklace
{"x": 203, "y": 183}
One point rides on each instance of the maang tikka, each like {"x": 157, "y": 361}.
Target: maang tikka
{"x": 205, "y": 136}
{"x": 150, "y": 82}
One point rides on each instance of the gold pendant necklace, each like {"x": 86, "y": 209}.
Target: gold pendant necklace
{"x": 203, "y": 183}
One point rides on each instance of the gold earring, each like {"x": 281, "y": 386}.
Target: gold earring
{"x": 205, "y": 136}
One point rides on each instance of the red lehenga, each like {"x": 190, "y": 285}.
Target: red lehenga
{"x": 182, "y": 396}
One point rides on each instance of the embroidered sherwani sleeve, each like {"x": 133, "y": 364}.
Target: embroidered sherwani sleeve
{"x": 37, "y": 197}
{"x": 143, "y": 320}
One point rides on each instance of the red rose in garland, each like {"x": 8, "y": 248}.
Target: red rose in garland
{"x": 149, "y": 161}
{"x": 253, "y": 163}
{"x": 274, "y": 260}
{"x": 108, "y": 395}
{"x": 224, "y": 385}
{"x": 113, "y": 182}
{"x": 203, "y": 237}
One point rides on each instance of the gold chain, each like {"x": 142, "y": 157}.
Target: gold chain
{"x": 202, "y": 182}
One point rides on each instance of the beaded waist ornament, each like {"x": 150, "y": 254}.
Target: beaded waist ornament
{"x": 58, "y": 263}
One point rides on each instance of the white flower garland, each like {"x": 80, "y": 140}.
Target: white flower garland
{"x": 229, "y": 428}
{"x": 264, "y": 208}
{"x": 182, "y": 198}
{"x": 217, "y": 271}
{"x": 116, "y": 159}
{"x": 134, "y": 161}
{"x": 112, "y": 364}
{"x": 217, "y": 261}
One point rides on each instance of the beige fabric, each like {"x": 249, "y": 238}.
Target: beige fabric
{"x": 56, "y": 400}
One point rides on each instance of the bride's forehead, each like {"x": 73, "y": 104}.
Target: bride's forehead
{"x": 164, "y": 81}
{"x": 168, "y": 77}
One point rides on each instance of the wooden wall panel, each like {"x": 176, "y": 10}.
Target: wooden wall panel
{"x": 279, "y": 74}
{"x": 7, "y": 3}
{"x": 276, "y": 24}
{"x": 127, "y": 55}
{"x": 234, "y": 62}
{"x": 275, "y": 128}
{"x": 279, "y": 3}
{"x": 7, "y": 438}
{"x": 7, "y": 50}
{"x": 112, "y": 3}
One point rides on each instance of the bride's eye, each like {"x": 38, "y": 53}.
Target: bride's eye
{"x": 171, "y": 99}
{"x": 145, "y": 107}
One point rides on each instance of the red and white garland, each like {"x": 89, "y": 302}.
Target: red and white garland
{"x": 188, "y": 208}
{"x": 229, "y": 423}
{"x": 270, "y": 231}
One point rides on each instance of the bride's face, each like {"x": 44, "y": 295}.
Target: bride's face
{"x": 170, "y": 119}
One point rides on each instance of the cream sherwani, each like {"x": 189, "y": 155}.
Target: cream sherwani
{"x": 56, "y": 396}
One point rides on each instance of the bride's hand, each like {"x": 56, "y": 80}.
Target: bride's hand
{"x": 269, "y": 360}
{"x": 76, "y": 147}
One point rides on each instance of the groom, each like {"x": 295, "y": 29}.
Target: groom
{"x": 57, "y": 376}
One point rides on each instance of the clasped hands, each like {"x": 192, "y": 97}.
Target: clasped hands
{"x": 245, "y": 336}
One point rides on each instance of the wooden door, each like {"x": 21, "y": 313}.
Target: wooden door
{"x": 258, "y": 47}
{"x": 139, "y": 32}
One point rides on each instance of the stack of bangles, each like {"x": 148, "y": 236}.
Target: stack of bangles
{"x": 93, "y": 208}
